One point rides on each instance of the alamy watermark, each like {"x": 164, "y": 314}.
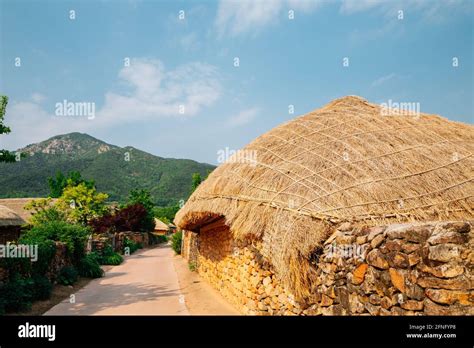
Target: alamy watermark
{"x": 392, "y": 108}
{"x": 346, "y": 251}
{"x": 68, "y": 108}
{"x": 237, "y": 156}
{"x": 11, "y": 250}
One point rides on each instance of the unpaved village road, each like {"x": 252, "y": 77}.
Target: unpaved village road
{"x": 146, "y": 283}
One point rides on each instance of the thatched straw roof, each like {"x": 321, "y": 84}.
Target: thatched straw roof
{"x": 343, "y": 162}
{"x": 18, "y": 206}
{"x": 9, "y": 218}
{"x": 160, "y": 225}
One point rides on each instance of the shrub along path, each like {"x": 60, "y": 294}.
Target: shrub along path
{"x": 146, "y": 283}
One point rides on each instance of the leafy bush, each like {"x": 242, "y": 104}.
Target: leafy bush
{"x": 67, "y": 275}
{"x": 42, "y": 287}
{"x": 17, "y": 266}
{"x": 131, "y": 245}
{"x": 74, "y": 236}
{"x": 46, "y": 251}
{"x": 17, "y": 294}
{"x": 43, "y": 210}
{"x": 176, "y": 242}
{"x": 89, "y": 266}
{"x": 192, "y": 266}
{"x": 114, "y": 259}
{"x": 157, "y": 239}
{"x": 143, "y": 197}
{"x": 131, "y": 218}
{"x": 110, "y": 257}
{"x": 103, "y": 224}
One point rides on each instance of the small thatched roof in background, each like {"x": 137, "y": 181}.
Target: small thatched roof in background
{"x": 160, "y": 225}
{"x": 344, "y": 162}
{"x": 9, "y": 218}
{"x": 18, "y": 204}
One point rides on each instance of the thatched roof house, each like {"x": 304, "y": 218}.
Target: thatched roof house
{"x": 18, "y": 206}
{"x": 10, "y": 225}
{"x": 160, "y": 226}
{"x": 9, "y": 218}
{"x": 348, "y": 162}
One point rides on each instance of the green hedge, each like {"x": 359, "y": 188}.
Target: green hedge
{"x": 17, "y": 295}
{"x": 74, "y": 236}
{"x": 110, "y": 257}
{"x": 158, "y": 239}
{"x": 27, "y": 280}
{"x": 131, "y": 245}
{"x": 89, "y": 266}
{"x": 67, "y": 275}
{"x": 176, "y": 242}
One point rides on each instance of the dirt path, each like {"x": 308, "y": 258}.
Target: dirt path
{"x": 149, "y": 282}
{"x": 145, "y": 284}
{"x": 199, "y": 296}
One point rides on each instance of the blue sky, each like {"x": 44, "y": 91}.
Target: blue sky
{"x": 190, "y": 62}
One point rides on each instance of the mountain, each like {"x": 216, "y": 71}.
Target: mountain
{"x": 114, "y": 169}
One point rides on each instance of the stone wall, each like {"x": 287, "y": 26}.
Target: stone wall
{"x": 58, "y": 261}
{"x": 239, "y": 272}
{"x": 137, "y": 237}
{"x": 402, "y": 269}
{"x": 99, "y": 242}
{"x": 190, "y": 248}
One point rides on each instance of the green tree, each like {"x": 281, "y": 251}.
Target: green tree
{"x": 196, "y": 181}
{"x": 5, "y": 156}
{"x": 58, "y": 183}
{"x": 176, "y": 242}
{"x": 44, "y": 211}
{"x": 166, "y": 213}
{"x": 82, "y": 203}
{"x": 143, "y": 197}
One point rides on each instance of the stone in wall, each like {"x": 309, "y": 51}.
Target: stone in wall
{"x": 240, "y": 273}
{"x": 400, "y": 269}
{"x": 59, "y": 260}
{"x": 409, "y": 269}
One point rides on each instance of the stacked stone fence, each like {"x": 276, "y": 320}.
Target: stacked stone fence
{"x": 116, "y": 240}
{"x": 58, "y": 261}
{"x": 400, "y": 269}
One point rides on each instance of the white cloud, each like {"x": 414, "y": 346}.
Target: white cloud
{"x": 353, "y": 6}
{"x": 31, "y": 123}
{"x": 251, "y": 16}
{"x": 152, "y": 92}
{"x": 38, "y": 97}
{"x": 243, "y": 117}
{"x": 383, "y": 79}
{"x": 432, "y": 11}
{"x": 156, "y": 92}
{"x": 305, "y": 6}
{"x": 189, "y": 42}
{"x": 248, "y": 16}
